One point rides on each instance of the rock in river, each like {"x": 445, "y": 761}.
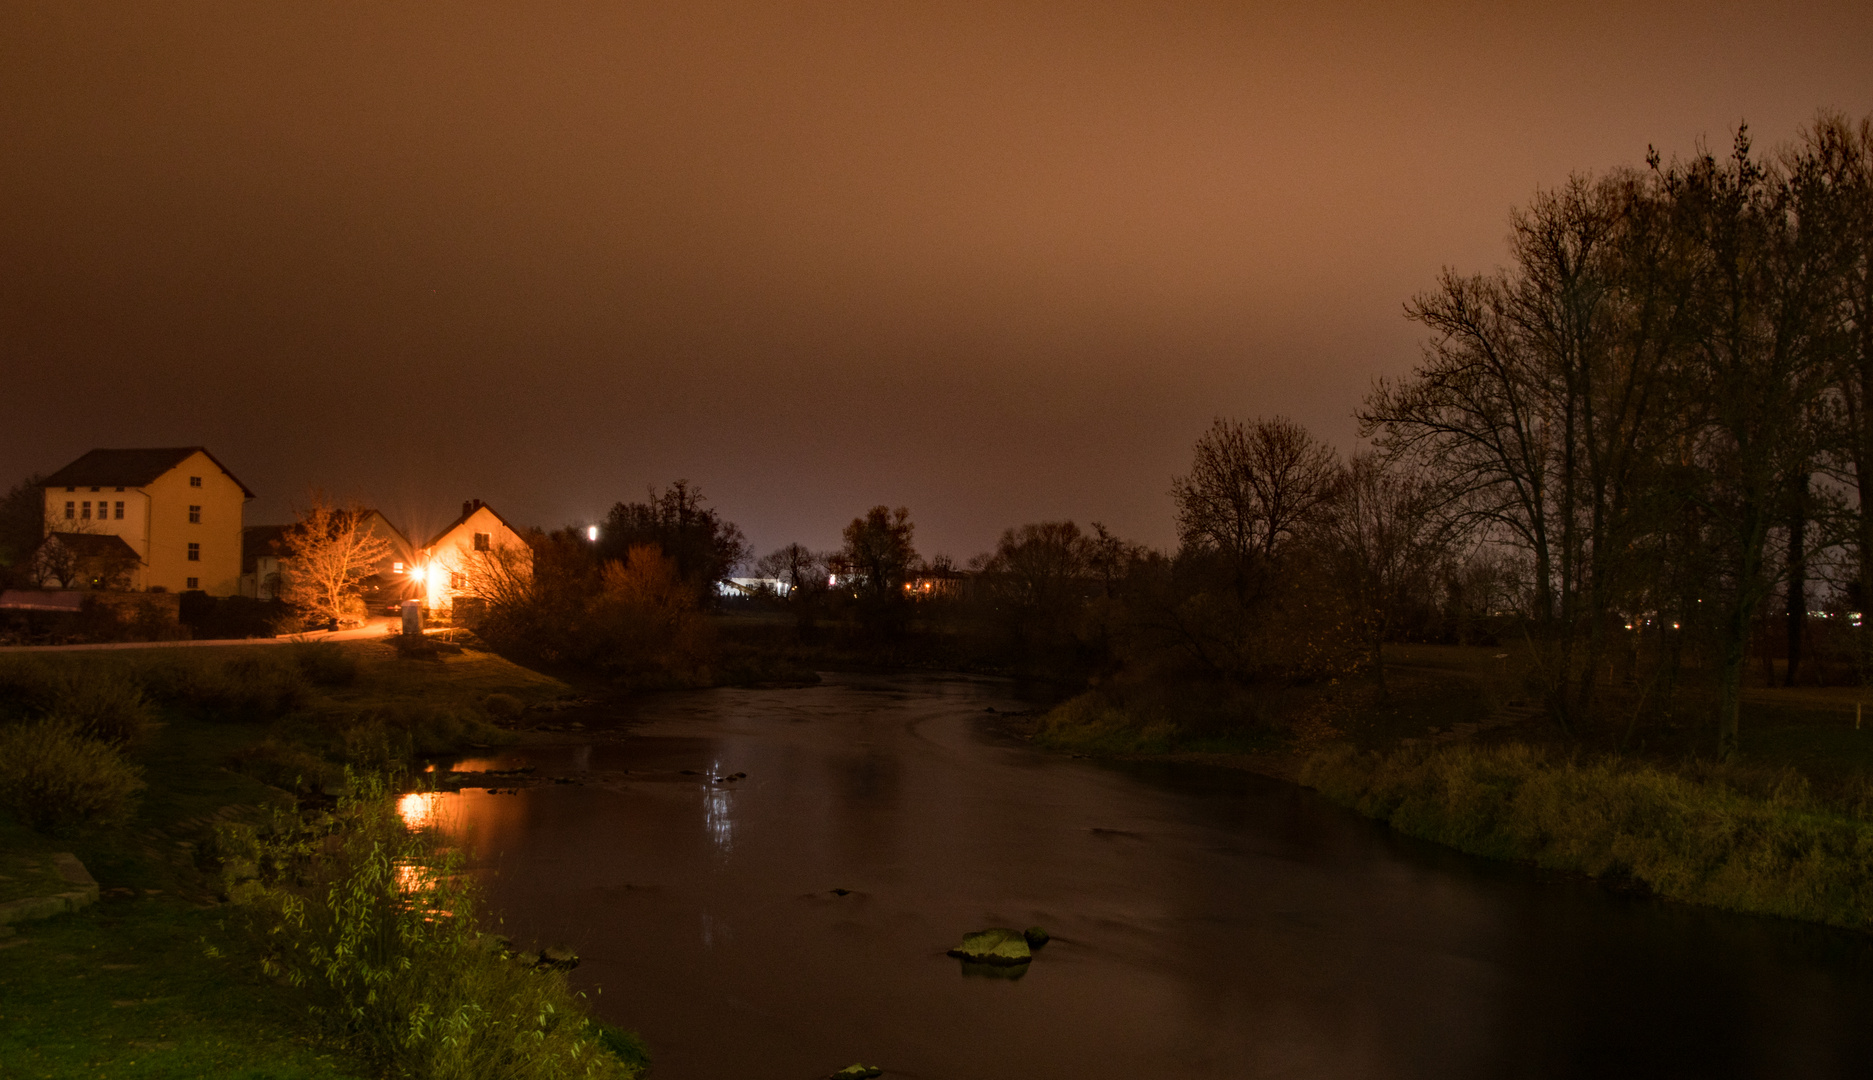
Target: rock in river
{"x": 1036, "y": 937}
{"x": 857, "y": 1072}
{"x": 996, "y": 945}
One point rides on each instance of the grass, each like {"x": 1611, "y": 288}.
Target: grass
{"x": 153, "y": 981}
{"x": 1704, "y": 836}
{"x": 126, "y": 989}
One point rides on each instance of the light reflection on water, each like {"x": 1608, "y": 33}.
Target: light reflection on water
{"x": 418, "y": 808}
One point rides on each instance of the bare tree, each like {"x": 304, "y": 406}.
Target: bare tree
{"x": 1831, "y": 172}
{"x": 880, "y": 556}
{"x": 329, "y": 550}
{"x": 795, "y": 566}
{"x": 1249, "y": 489}
{"x": 1385, "y": 540}
{"x": 1544, "y": 401}
{"x": 1758, "y": 361}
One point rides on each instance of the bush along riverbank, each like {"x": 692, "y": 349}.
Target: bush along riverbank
{"x": 374, "y": 925}
{"x": 263, "y": 909}
{"x": 1451, "y": 753}
{"x": 1702, "y": 839}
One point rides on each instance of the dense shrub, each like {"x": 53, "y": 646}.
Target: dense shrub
{"x": 220, "y": 617}
{"x": 251, "y": 688}
{"x": 290, "y": 768}
{"x": 52, "y": 776}
{"x": 1701, "y": 839}
{"x": 325, "y": 663}
{"x": 28, "y": 686}
{"x": 379, "y": 932}
{"x": 502, "y": 708}
{"x": 102, "y": 701}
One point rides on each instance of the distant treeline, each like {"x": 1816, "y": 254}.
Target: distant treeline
{"x": 1628, "y": 448}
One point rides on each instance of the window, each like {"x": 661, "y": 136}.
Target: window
{"x": 119, "y": 515}
{"x": 195, "y": 583}
{"x": 97, "y": 489}
{"x": 71, "y": 510}
{"x": 396, "y": 568}
{"x": 456, "y": 580}
{"x": 481, "y": 541}
{"x": 120, "y": 488}
{"x": 195, "y": 515}
{"x": 195, "y": 481}
{"x": 195, "y": 553}
{"x": 71, "y": 489}
{"x": 84, "y": 510}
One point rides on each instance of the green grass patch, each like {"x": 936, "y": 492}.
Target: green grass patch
{"x": 1748, "y": 842}
{"x": 151, "y": 982}
{"x": 129, "y": 989}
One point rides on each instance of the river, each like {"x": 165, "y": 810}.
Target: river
{"x": 1206, "y": 923}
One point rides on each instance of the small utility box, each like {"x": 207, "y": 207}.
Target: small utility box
{"x": 413, "y": 618}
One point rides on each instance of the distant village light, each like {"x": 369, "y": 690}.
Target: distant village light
{"x": 591, "y": 533}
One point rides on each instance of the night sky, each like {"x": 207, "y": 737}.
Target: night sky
{"x": 996, "y": 262}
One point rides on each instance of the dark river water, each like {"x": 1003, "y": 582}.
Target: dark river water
{"x": 1206, "y": 923}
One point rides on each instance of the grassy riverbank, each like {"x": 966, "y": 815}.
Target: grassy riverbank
{"x": 1450, "y": 752}
{"x": 159, "y": 978}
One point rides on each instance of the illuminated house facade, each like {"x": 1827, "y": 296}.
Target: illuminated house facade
{"x": 264, "y": 554}
{"x": 177, "y": 509}
{"x": 464, "y": 548}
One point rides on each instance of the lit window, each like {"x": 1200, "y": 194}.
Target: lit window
{"x": 71, "y": 510}
{"x": 119, "y": 515}
{"x": 195, "y": 553}
{"x": 481, "y": 541}
{"x": 195, "y": 515}
{"x": 195, "y": 583}
{"x": 84, "y": 510}
{"x": 396, "y": 568}
{"x": 195, "y": 481}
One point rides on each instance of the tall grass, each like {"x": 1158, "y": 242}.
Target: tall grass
{"x": 1771, "y": 849}
{"x": 379, "y": 931}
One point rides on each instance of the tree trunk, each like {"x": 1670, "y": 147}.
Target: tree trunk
{"x": 1797, "y": 580}
{"x": 1730, "y": 691}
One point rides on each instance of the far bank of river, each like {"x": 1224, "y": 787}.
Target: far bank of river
{"x": 1206, "y": 922}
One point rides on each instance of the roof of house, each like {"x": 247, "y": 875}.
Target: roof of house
{"x": 130, "y": 468}
{"x": 396, "y": 536}
{"x": 469, "y": 510}
{"x": 258, "y": 540}
{"x": 94, "y": 545}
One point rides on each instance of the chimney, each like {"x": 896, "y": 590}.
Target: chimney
{"x": 468, "y": 506}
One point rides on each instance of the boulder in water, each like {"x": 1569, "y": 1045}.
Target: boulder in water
{"x": 1036, "y": 937}
{"x": 857, "y": 1072}
{"x": 996, "y": 945}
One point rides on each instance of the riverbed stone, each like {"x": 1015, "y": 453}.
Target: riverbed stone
{"x": 1036, "y": 937}
{"x": 996, "y": 945}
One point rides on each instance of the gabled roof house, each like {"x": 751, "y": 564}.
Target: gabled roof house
{"x": 177, "y": 509}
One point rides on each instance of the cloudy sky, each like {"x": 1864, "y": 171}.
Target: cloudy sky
{"x": 999, "y": 262}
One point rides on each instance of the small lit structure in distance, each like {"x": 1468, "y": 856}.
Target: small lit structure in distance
{"x": 591, "y": 533}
